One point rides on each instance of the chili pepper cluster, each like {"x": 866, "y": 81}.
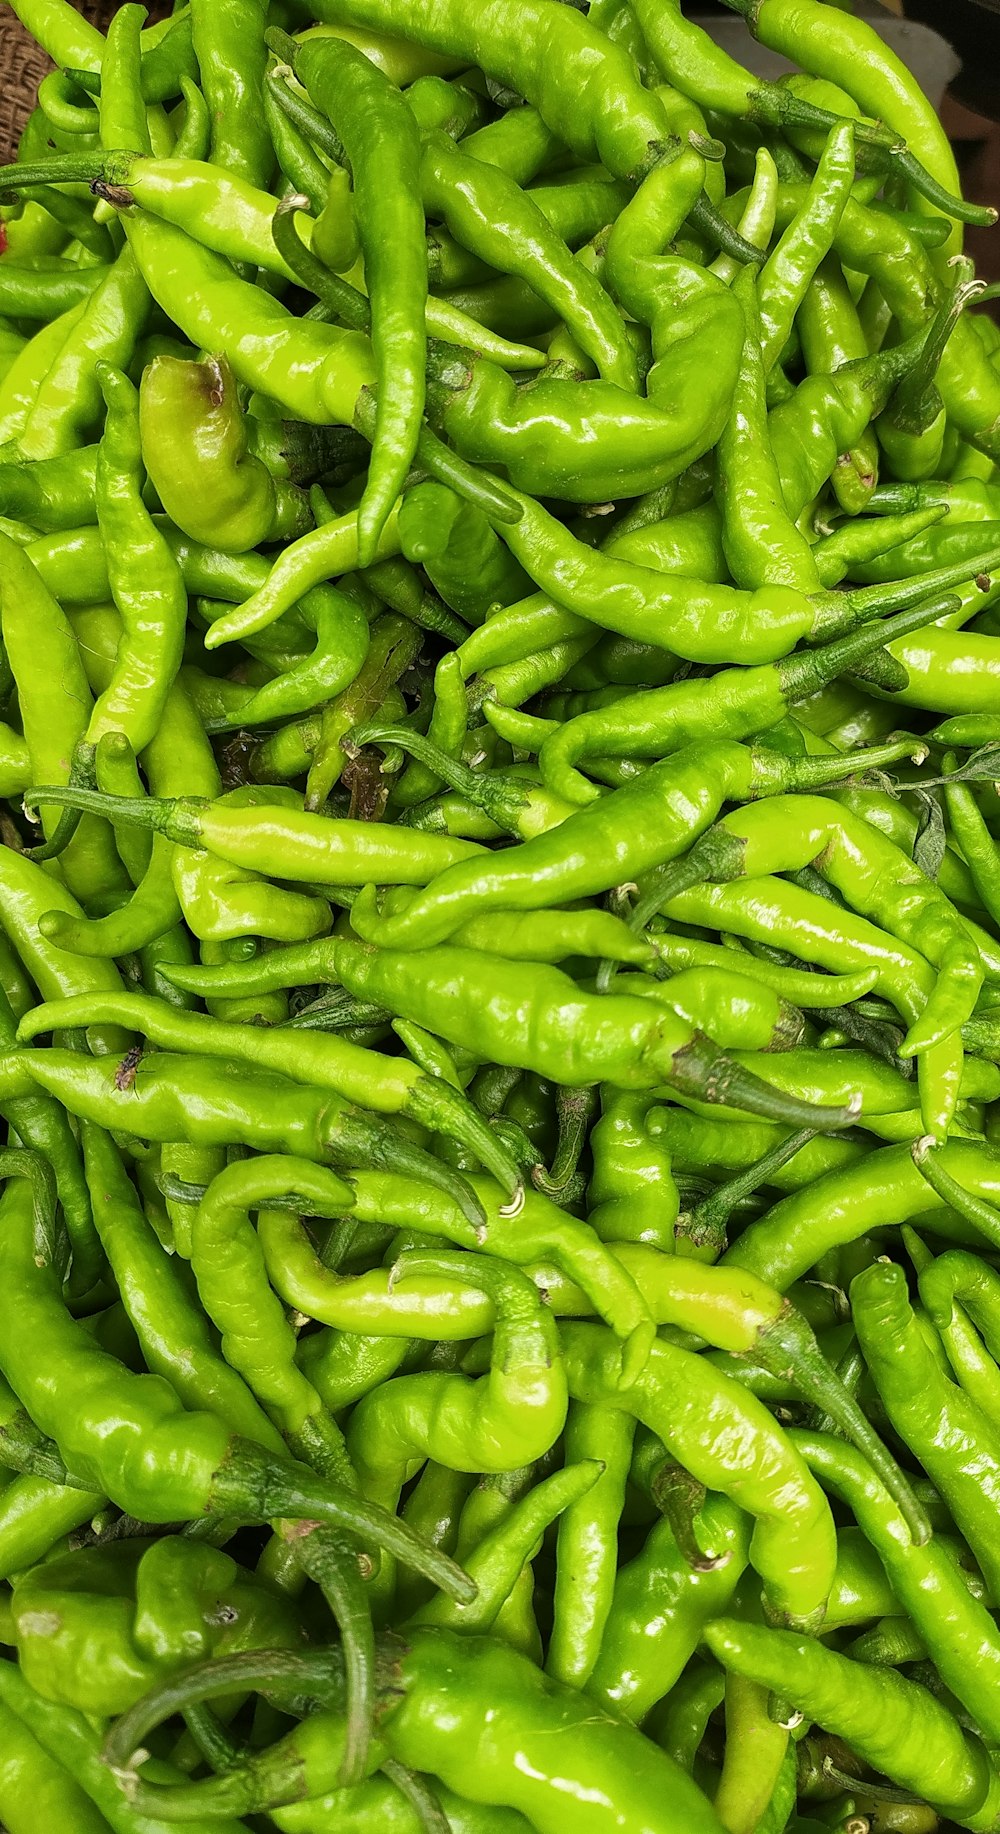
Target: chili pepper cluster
{"x": 499, "y": 930}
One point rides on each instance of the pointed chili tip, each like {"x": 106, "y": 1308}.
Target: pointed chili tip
{"x": 723, "y": 1637}
{"x": 635, "y": 1353}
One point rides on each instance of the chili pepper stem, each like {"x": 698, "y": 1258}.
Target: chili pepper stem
{"x": 82, "y": 774}
{"x": 434, "y": 1105}
{"x": 787, "y": 1345}
{"x": 925, "y": 1153}
{"x": 915, "y": 402}
{"x": 69, "y": 168}
{"x": 778, "y": 107}
{"x": 700, "y": 1069}
{"x": 335, "y": 1569}
{"x": 257, "y": 1481}
{"x": 807, "y": 671}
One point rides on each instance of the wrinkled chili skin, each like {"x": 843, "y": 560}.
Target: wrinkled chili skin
{"x": 498, "y": 908}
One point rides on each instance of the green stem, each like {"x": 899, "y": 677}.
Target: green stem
{"x": 708, "y": 1221}
{"x": 916, "y": 402}
{"x": 809, "y": 670}
{"x": 788, "y": 1344}
{"x": 975, "y": 1210}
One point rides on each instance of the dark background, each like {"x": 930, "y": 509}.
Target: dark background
{"x": 973, "y": 28}
{"x": 971, "y": 107}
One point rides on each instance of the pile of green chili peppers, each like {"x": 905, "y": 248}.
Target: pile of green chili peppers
{"x": 499, "y": 930}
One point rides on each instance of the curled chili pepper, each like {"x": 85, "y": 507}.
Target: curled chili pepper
{"x": 166, "y": 1463}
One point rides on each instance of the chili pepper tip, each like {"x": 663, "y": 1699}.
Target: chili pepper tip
{"x": 635, "y": 1353}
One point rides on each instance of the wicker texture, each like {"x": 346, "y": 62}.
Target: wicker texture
{"x": 22, "y": 66}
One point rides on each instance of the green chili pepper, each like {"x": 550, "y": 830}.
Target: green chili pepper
{"x": 30, "y": 366}
{"x": 611, "y": 119}
{"x": 195, "y": 445}
{"x": 227, "y": 214}
{"x": 831, "y": 335}
{"x": 851, "y": 544}
{"x": 167, "y": 1098}
{"x": 35, "y": 1513}
{"x": 44, "y": 291}
{"x": 898, "y": 1727}
{"x": 659, "y": 1607}
{"x": 632, "y": 1193}
{"x": 52, "y": 493}
{"x": 852, "y": 55}
{"x": 628, "y": 1041}
{"x": 928, "y": 1581}
{"x": 69, "y": 1737}
{"x": 659, "y": 719}
{"x": 258, "y": 1342}
{"x": 67, "y": 37}
{"x": 380, "y": 1802}
{"x": 54, "y": 700}
{"x": 785, "y": 276}
{"x": 462, "y": 555}
{"x": 680, "y": 1725}
{"x": 959, "y": 1293}
{"x": 755, "y": 1751}
{"x": 439, "y": 1721}
{"x": 793, "y": 1544}
{"x": 953, "y": 1439}
{"x": 490, "y": 1424}
{"x": 771, "y": 910}
{"x": 490, "y": 214}
{"x": 388, "y": 1085}
{"x": 202, "y": 1467}
{"x": 172, "y": 1330}
{"x": 41, "y": 1127}
{"x": 95, "y": 1629}
{"x": 614, "y": 840}
{"x": 35, "y": 1786}
{"x": 587, "y": 1545}
{"x": 229, "y": 46}
{"x": 502, "y": 1552}
{"x": 245, "y": 838}
{"x": 912, "y": 429}
{"x": 761, "y": 541}
{"x": 433, "y": 1508}
{"x": 382, "y": 145}
{"x": 539, "y": 1232}
{"x": 344, "y": 1365}
{"x": 935, "y": 930}
{"x": 69, "y": 404}
{"x": 145, "y": 580}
